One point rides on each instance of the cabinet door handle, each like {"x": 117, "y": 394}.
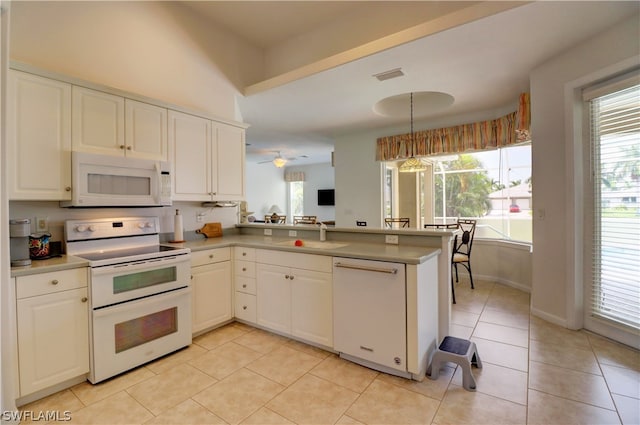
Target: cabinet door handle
{"x": 244, "y": 307}
{"x": 54, "y": 282}
{"x": 67, "y": 189}
{"x": 291, "y": 277}
{"x": 121, "y": 146}
{"x": 286, "y": 276}
{"x": 244, "y": 269}
{"x": 244, "y": 254}
{"x": 244, "y": 285}
{"x": 128, "y": 148}
{"x": 84, "y": 299}
{"x": 210, "y": 255}
{"x": 191, "y": 277}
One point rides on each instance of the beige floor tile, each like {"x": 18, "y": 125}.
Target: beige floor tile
{"x": 345, "y": 373}
{"x": 172, "y": 360}
{"x": 570, "y": 384}
{"x": 265, "y": 416}
{"x": 312, "y": 400}
{"x": 243, "y": 326}
{"x": 541, "y": 330}
{"x": 119, "y": 408}
{"x": 460, "y": 331}
{"x": 284, "y": 365}
{"x": 567, "y": 357}
{"x": 170, "y": 388}
{"x": 239, "y": 395}
{"x": 344, "y": 419}
{"x": 504, "y": 334}
{"x": 498, "y": 381}
{"x": 90, "y": 393}
{"x": 469, "y": 304}
{"x": 501, "y": 317}
{"x": 545, "y": 409}
{"x": 217, "y": 337}
{"x": 63, "y": 401}
{"x": 501, "y": 354}
{"x": 261, "y": 341}
{"x": 628, "y": 408}
{"x": 506, "y": 298}
{"x": 384, "y": 403}
{"x": 464, "y": 318}
{"x": 622, "y": 381}
{"x": 615, "y": 354}
{"x": 466, "y": 407}
{"x": 431, "y": 388}
{"x": 224, "y": 360}
{"x": 308, "y": 349}
{"x": 185, "y": 413}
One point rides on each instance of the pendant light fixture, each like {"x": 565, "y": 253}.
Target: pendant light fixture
{"x": 413, "y": 164}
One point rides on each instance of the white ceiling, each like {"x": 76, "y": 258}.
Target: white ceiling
{"x": 484, "y": 63}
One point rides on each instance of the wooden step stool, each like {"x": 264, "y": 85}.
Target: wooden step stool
{"x": 459, "y": 351}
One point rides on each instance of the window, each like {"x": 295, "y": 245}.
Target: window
{"x": 493, "y": 187}
{"x": 614, "y": 294}
{"x": 296, "y": 198}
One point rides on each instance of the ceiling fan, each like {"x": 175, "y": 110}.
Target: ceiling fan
{"x": 279, "y": 161}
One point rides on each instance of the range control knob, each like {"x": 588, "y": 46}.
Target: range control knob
{"x": 81, "y": 228}
{"x": 92, "y": 228}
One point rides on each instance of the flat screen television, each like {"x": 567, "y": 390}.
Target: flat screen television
{"x": 326, "y": 197}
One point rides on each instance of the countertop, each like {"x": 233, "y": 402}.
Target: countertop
{"x": 407, "y": 254}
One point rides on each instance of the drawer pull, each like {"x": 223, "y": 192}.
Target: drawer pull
{"x": 244, "y": 307}
{"x": 366, "y": 348}
{"x": 84, "y": 299}
{"x": 210, "y": 255}
{"x": 366, "y": 268}
{"x": 54, "y": 282}
{"x": 244, "y": 285}
{"x": 286, "y": 276}
{"x": 291, "y": 277}
{"x": 244, "y": 254}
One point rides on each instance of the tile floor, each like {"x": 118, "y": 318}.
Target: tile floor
{"x": 534, "y": 373}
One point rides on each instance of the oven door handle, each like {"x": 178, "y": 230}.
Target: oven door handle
{"x": 141, "y": 303}
{"x": 141, "y": 264}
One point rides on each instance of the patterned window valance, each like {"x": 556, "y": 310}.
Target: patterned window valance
{"x": 504, "y": 131}
{"x": 294, "y": 176}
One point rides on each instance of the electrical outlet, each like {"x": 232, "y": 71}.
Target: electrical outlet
{"x": 393, "y": 239}
{"x": 199, "y": 217}
{"x": 42, "y": 224}
{"x": 267, "y": 232}
{"x": 293, "y": 233}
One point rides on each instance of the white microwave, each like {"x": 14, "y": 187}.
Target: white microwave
{"x": 111, "y": 181}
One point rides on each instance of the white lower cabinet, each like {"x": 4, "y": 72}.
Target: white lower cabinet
{"x": 53, "y": 328}
{"x": 298, "y": 300}
{"x": 245, "y": 283}
{"x": 210, "y": 288}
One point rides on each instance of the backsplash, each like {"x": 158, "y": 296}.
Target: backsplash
{"x": 56, "y": 216}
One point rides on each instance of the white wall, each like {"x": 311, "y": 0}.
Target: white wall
{"x": 317, "y": 176}
{"x": 265, "y": 187}
{"x": 557, "y": 166}
{"x": 156, "y": 49}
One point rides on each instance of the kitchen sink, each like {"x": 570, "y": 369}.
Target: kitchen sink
{"x": 313, "y": 244}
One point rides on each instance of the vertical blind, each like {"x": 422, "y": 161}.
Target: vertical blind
{"x": 615, "y": 145}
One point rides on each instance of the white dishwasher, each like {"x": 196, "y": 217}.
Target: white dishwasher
{"x": 369, "y": 305}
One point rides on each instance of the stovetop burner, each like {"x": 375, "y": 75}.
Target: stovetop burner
{"x": 129, "y": 252}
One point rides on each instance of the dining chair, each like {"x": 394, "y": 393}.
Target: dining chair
{"x": 402, "y": 221}
{"x": 305, "y": 219}
{"x": 275, "y": 219}
{"x": 461, "y": 253}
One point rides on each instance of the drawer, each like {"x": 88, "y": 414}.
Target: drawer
{"x": 245, "y": 268}
{"x": 246, "y": 307}
{"x": 245, "y": 284}
{"x": 320, "y": 263}
{"x": 46, "y": 283}
{"x": 210, "y": 256}
{"x": 246, "y": 254}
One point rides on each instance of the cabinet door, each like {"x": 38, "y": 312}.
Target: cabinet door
{"x": 39, "y": 138}
{"x": 146, "y": 131}
{"x": 211, "y": 295}
{"x": 188, "y": 145}
{"x": 312, "y": 306}
{"x": 228, "y": 162}
{"x": 98, "y": 122}
{"x": 273, "y": 298}
{"x": 53, "y": 339}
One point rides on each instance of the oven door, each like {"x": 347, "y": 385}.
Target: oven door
{"x": 130, "y": 334}
{"x": 128, "y": 281}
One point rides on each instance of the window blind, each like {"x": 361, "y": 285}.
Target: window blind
{"x": 615, "y": 144}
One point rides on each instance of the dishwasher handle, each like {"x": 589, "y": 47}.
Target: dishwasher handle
{"x": 367, "y": 268}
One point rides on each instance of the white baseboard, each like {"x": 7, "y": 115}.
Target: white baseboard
{"x": 560, "y": 321}
{"x": 505, "y": 282}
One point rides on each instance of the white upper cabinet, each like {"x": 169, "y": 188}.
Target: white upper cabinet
{"x": 145, "y": 131}
{"x": 108, "y": 124}
{"x": 39, "y": 138}
{"x": 98, "y": 122}
{"x": 208, "y": 159}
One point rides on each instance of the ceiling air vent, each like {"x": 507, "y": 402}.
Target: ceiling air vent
{"x": 387, "y": 75}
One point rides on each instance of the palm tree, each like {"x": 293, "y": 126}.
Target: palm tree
{"x": 467, "y": 192}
